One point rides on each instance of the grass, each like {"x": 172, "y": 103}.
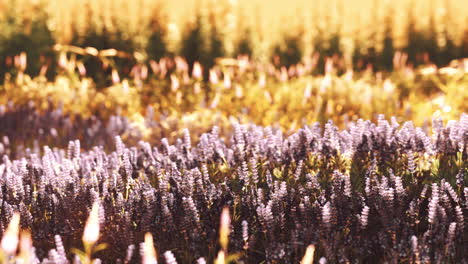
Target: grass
{"x": 244, "y": 91}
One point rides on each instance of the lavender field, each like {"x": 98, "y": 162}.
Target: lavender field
{"x": 368, "y": 193}
{"x": 221, "y": 132}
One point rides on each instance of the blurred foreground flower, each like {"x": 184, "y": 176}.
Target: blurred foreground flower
{"x": 10, "y": 238}
{"x": 149, "y": 256}
{"x": 92, "y": 51}
{"x": 197, "y": 72}
{"x": 449, "y": 71}
{"x": 214, "y": 77}
{"x": 432, "y": 69}
{"x": 227, "y": 81}
{"x": 26, "y": 246}
{"x": 174, "y": 83}
{"x": 91, "y": 231}
{"x": 224, "y": 228}
{"x": 90, "y": 237}
{"x": 309, "y": 255}
{"x": 108, "y": 53}
{"x": 221, "y": 259}
{"x": 262, "y": 80}
{"x": 115, "y": 77}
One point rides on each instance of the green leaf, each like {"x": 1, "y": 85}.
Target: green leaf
{"x": 100, "y": 247}
{"x": 233, "y": 257}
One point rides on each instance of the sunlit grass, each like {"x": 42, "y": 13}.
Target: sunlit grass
{"x": 247, "y": 93}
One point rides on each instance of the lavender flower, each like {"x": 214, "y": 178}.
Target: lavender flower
{"x": 433, "y": 203}
{"x": 363, "y": 219}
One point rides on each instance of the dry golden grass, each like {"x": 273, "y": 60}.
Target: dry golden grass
{"x": 253, "y": 95}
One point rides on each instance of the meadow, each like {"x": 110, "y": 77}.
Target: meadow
{"x": 224, "y": 132}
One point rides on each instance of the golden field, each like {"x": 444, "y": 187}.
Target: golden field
{"x": 362, "y": 19}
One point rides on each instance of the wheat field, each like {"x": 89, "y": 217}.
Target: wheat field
{"x": 362, "y": 18}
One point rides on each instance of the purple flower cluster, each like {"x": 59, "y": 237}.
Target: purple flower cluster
{"x": 25, "y": 126}
{"x": 370, "y": 193}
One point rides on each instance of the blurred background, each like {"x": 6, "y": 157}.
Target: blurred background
{"x": 361, "y": 32}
